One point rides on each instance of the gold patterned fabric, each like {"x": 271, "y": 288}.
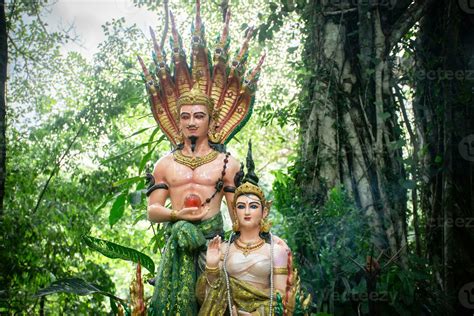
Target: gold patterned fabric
{"x": 244, "y": 296}
{"x": 175, "y": 283}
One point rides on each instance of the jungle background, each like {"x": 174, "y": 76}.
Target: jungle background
{"x": 363, "y": 135}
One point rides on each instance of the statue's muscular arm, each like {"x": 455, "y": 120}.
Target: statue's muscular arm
{"x": 157, "y": 212}
{"x": 232, "y": 169}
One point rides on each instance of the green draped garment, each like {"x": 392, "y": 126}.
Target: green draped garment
{"x": 175, "y": 283}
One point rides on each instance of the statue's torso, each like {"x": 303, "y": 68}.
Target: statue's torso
{"x": 253, "y": 268}
{"x": 201, "y": 181}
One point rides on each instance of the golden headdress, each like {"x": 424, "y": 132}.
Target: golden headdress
{"x": 249, "y": 184}
{"x": 222, "y": 87}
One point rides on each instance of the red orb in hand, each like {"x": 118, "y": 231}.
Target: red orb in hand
{"x": 192, "y": 200}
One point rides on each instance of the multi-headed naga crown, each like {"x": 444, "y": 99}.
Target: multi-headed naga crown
{"x": 222, "y": 87}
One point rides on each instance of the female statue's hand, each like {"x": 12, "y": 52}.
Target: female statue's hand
{"x": 213, "y": 254}
{"x": 192, "y": 214}
{"x": 235, "y": 312}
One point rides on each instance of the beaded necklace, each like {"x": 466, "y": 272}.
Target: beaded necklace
{"x": 247, "y": 248}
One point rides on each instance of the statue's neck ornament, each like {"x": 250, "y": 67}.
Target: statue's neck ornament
{"x": 194, "y": 161}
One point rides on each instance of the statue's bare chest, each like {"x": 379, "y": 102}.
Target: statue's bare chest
{"x": 207, "y": 174}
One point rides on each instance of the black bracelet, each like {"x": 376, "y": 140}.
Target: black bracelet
{"x": 156, "y": 187}
{"x": 229, "y": 189}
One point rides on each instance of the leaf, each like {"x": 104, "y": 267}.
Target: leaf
{"x": 128, "y": 151}
{"x": 135, "y": 198}
{"x": 127, "y": 181}
{"x": 101, "y": 206}
{"x": 408, "y": 184}
{"x": 145, "y": 159}
{"x": 152, "y": 137}
{"x": 385, "y": 115}
{"x": 116, "y": 212}
{"x": 74, "y": 286}
{"x": 139, "y": 132}
{"x": 115, "y": 251}
{"x": 113, "y": 307}
{"x": 292, "y": 49}
{"x": 141, "y": 217}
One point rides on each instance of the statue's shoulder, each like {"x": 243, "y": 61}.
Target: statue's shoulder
{"x": 232, "y": 162}
{"x": 281, "y": 248}
{"x": 164, "y": 162}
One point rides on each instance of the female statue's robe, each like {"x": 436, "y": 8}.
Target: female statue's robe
{"x": 255, "y": 268}
{"x": 245, "y": 297}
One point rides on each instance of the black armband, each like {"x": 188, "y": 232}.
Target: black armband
{"x": 162, "y": 186}
{"x": 150, "y": 180}
{"x": 229, "y": 189}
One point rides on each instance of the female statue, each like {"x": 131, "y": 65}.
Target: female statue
{"x": 243, "y": 276}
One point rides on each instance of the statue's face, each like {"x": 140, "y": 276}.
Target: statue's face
{"x": 194, "y": 120}
{"x": 249, "y": 211}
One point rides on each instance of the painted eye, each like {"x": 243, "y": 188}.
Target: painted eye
{"x": 254, "y": 206}
{"x": 240, "y": 206}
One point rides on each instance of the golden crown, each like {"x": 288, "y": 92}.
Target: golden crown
{"x": 249, "y": 184}
{"x": 250, "y": 188}
{"x": 222, "y": 86}
{"x": 196, "y": 96}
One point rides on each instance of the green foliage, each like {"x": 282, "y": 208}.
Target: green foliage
{"x": 73, "y": 286}
{"x": 57, "y": 153}
{"x": 118, "y": 208}
{"x": 323, "y": 249}
{"x": 81, "y": 135}
{"x": 113, "y": 250}
{"x": 328, "y": 240}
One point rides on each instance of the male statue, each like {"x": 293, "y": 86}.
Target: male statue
{"x": 199, "y": 110}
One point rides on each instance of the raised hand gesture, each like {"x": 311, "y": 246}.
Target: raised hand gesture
{"x": 213, "y": 254}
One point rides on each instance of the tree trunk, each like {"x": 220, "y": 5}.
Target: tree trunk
{"x": 445, "y": 112}
{"x": 348, "y": 124}
{"x": 3, "y": 80}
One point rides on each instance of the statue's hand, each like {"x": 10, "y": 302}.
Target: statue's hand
{"x": 235, "y": 312}
{"x": 192, "y": 214}
{"x": 213, "y": 254}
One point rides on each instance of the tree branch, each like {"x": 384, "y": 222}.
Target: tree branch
{"x": 21, "y": 52}
{"x": 411, "y": 15}
{"x": 57, "y": 166}
{"x": 337, "y": 12}
{"x": 400, "y": 98}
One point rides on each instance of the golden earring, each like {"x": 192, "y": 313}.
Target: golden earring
{"x": 235, "y": 226}
{"x": 265, "y": 225}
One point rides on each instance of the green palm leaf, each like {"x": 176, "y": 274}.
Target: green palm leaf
{"x": 74, "y": 286}
{"x": 114, "y": 251}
